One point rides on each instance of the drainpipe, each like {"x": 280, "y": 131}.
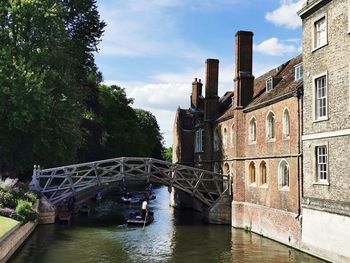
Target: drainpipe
{"x": 300, "y": 171}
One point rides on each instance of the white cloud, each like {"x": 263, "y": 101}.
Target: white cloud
{"x": 286, "y": 14}
{"x": 168, "y": 91}
{"x": 144, "y": 28}
{"x": 274, "y": 47}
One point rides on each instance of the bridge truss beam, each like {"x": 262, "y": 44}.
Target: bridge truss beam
{"x": 60, "y": 183}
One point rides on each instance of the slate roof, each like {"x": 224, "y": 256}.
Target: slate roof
{"x": 283, "y": 75}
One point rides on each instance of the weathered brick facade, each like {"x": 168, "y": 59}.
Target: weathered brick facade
{"x": 265, "y": 205}
{"x": 326, "y": 201}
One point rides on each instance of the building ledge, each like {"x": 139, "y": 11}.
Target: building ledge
{"x": 330, "y": 206}
{"x": 310, "y": 6}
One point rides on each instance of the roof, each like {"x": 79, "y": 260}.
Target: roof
{"x": 186, "y": 119}
{"x": 286, "y": 83}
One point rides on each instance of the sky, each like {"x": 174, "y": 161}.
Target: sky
{"x": 155, "y": 48}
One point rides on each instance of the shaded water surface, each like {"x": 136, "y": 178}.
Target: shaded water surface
{"x": 175, "y": 236}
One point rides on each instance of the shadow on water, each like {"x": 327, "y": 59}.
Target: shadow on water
{"x": 174, "y": 236}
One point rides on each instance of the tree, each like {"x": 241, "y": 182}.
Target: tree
{"x": 150, "y": 139}
{"x": 125, "y": 131}
{"x": 118, "y": 122}
{"x": 46, "y": 50}
{"x": 168, "y": 154}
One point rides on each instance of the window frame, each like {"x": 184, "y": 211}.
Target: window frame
{"x": 261, "y": 174}
{"x": 298, "y": 71}
{"x": 232, "y": 135}
{"x": 252, "y": 138}
{"x": 281, "y": 175}
{"x": 270, "y": 129}
{"x": 314, "y": 32}
{"x": 252, "y": 174}
{"x": 216, "y": 139}
{"x": 269, "y": 84}
{"x": 286, "y": 124}
{"x": 225, "y": 137}
{"x": 318, "y": 179}
{"x": 316, "y": 116}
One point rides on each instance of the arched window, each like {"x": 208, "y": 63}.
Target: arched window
{"x": 227, "y": 172}
{"x": 262, "y": 172}
{"x": 270, "y": 126}
{"x": 217, "y": 168}
{"x": 252, "y": 177}
{"x": 286, "y": 123}
{"x": 232, "y": 135}
{"x": 283, "y": 174}
{"x": 252, "y": 130}
{"x": 216, "y": 139}
{"x": 225, "y": 138}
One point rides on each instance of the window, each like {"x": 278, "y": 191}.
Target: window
{"x": 298, "y": 72}
{"x": 321, "y": 97}
{"x": 270, "y": 126}
{"x": 252, "y": 177}
{"x": 252, "y": 130}
{"x": 217, "y": 168}
{"x": 216, "y": 139}
{"x": 263, "y": 178}
{"x": 199, "y": 143}
{"x": 225, "y": 138}
{"x": 320, "y": 31}
{"x": 286, "y": 123}
{"x": 284, "y": 174}
{"x": 269, "y": 84}
{"x": 321, "y": 163}
{"x": 232, "y": 135}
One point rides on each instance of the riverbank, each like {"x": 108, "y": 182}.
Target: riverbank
{"x": 6, "y": 225}
{"x": 13, "y": 239}
{"x": 174, "y": 236}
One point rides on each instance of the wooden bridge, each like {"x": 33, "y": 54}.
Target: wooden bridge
{"x": 60, "y": 183}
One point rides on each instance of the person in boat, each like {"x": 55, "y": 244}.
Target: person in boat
{"x": 149, "y": 188}
{"x": 145, "y": 208}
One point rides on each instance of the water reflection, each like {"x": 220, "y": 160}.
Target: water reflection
{"x": 175, "y": 236}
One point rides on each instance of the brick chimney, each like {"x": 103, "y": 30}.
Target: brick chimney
{"x": 211, "y": 102}
{"x": 244, "y": 79}
{"x": 196, "y": 96}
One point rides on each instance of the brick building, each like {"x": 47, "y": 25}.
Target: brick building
{"x": 254, "y": 135}
{"x": 326, "y": 130}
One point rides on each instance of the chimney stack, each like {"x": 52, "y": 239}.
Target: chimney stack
{"x": 196, "y": 96}
{"x": 211, "y": 89}
{"x": 244, "y": 79}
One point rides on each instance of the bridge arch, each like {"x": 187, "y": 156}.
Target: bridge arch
{"x": 59, "y": 183}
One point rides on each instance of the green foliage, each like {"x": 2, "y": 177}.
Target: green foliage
{"x": 248, "y": 228}
{"x": 24, "y": 211}
{"x": 46, "y": 58}
{"x": 150, "y": 139}
{"x": 7, "y": 199}
{"x": 168, "y": 154}
{"x": 125, "y": 131}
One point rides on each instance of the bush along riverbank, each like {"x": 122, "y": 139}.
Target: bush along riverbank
{"x": 16, "y": 202}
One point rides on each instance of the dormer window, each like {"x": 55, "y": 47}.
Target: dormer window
{"x": 269, "y": 84}
{"x": 298, "y": 72}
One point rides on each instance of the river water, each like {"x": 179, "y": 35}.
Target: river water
{"x": 174, "y": 236}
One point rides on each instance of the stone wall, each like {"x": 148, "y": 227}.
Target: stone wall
{"x": 326, "y": 204}
{"x": 326, "y": 235}
{"x": 9, "y": 245}
{"x": 276, "y": 224}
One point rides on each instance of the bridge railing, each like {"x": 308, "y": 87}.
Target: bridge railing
{"x": 59, "y": 183}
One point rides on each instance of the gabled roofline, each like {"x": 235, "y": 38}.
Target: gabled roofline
{"x": 294, "y": 93}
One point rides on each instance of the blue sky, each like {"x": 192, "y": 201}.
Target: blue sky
{"x": 155, "y": 48}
